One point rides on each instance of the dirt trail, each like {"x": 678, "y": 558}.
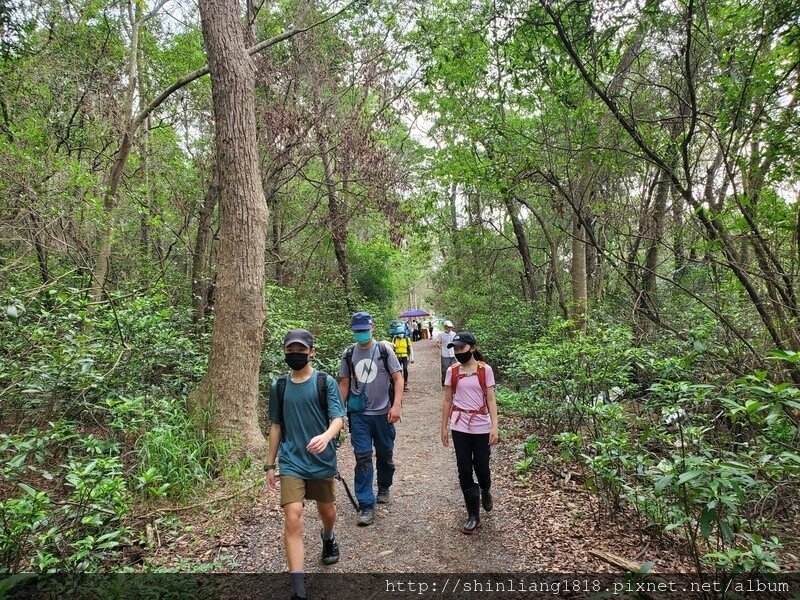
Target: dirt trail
{"x": 535, "y": 526}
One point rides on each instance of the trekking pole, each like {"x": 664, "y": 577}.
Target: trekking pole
{"x": 347, "y": 489}
{"x": 337, "y": 442}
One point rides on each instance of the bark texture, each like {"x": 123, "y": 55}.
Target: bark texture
{"x": 237, "y": 336}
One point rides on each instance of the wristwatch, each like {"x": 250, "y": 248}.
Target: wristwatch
{"x": 269, "y": 467}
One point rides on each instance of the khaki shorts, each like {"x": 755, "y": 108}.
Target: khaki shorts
{"x": 294, "y": 489}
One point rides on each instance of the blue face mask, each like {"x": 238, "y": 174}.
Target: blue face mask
{"x": 362, "y": 337}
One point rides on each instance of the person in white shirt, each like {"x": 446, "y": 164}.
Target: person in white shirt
{"x": 445, "y": 353}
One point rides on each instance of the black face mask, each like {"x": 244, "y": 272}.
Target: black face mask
{"x": 463, "y": 357}
{"x": 296, "y": 360}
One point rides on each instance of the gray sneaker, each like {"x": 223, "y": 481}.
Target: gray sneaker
{"x": 383, "y": 496}
{"x": 365, "y": 517}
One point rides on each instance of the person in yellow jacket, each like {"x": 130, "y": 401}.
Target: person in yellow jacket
{"x": 405, "y": 354}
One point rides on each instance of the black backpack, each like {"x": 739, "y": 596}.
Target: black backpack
{"x": 322, "y": 396}
{"x": 384, "y": 354}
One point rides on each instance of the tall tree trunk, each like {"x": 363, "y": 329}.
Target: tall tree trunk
{"x": 144, "y": 234}
{"x": 653, "y": 232}
{"x": 580, "y": 299}
{"x": 679, "y": 235}
{"x": 144, "y": 217}
{"x": 237, "y": 337}
{"x": 275, "y": 237}
{"x": 474, "y": 208}
{"x": 201, "y": 262}
{"x": 455, "y": 248}
{"x": 553, "y": 271}
{"x": 338, "y": 223}
{"x": 594, "y": 282}
{"x": 102, "y": 265}
{"x": 529, "y": 278}
{"x": 390, "y": 206}
{"x": 277, "y": 248}
{"x": 110, "y": 201}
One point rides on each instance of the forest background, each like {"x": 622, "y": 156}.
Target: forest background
{"x": 604, "y": 192}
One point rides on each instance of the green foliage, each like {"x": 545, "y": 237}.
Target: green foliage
{"x": 531, "y": 454}
{"x": 317, "y": 310}
{"x": 42, "y": 531}
{"x": 569, "y": 443}
{"x": 56, "y": 353}
{"x": 522, "y": 402}
{"x": 570, "y": 369}
{"x": 123, "y": 365}
{"x": 175, "y": 457}
{"x": 713, "y": 464}
{"x": 491, "y": 310}
{"x": 76, "y": 492}
{"x": 501, "y": 322}
{"x": 92, "y": 393}
{"x": 377, "y": 270}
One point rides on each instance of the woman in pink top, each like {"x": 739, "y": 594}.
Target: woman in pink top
{"x": 470, "y": 409}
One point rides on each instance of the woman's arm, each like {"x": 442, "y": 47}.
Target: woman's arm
{"x": 447, "y": 403}
{"x": 491, "y": 401}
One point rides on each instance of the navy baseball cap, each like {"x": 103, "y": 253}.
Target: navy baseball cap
{"x": 361, "y": 321}
{"x": 464, "y": 338}
{"x": 299, "y": 336}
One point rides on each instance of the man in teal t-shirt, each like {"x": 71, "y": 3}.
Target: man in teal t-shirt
{"x": 300, "y": 439}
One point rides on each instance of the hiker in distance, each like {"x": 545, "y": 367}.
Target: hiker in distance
{"x": 470, "y": 410}
{"x": 445, "y": 353}
{"x": 404, "y": 351}
{"x": 371, "y": 380}
{"x": 306, "y": 412}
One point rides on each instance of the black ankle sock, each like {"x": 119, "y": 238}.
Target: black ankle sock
{"x": 298, "y": 583}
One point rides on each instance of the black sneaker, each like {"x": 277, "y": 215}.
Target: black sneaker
{"x": 383, "y": 496}
{"x": 330, "y": 551}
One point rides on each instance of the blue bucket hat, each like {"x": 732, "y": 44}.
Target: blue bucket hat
{"x": 361, "y": 321}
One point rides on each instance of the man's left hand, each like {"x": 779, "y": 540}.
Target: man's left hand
{"x": 394, "y": 413}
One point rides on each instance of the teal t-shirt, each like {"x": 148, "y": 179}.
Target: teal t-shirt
{"x": 303, "y": 419}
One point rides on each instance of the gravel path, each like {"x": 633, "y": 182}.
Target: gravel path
{"x": 419, "y": 530}
{"x": 535, "y": 526}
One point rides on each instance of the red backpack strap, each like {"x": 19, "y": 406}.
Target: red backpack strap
{"x": 455, "y": 375}
{"x": 482, "y": 380}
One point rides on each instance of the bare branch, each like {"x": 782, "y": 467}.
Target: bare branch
{"x": 263, "y": 45}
